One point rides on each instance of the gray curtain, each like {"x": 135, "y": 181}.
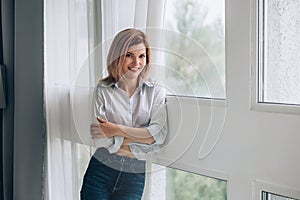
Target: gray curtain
{"x": 7, "y": 113}
{"x": 22, "y": 125}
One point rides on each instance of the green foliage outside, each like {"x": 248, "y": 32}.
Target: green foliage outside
{"x": 195, "y": 66}
{"x": 196, "y": 58}
{"x": 188, "y": 186}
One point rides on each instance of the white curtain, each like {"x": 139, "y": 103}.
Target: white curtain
{"x": 77, "y": 36}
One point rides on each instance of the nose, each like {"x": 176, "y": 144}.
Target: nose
{"x": 136, "y": 61}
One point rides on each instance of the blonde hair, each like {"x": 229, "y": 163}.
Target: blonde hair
{"x": 119, "y": 47}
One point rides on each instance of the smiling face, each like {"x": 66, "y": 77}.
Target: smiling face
{"x": 129, "y": 56}
{"x": 134, "y": 61}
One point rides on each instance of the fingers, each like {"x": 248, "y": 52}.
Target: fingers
{"x": 96, "y": 131}
{"x": 102, "y": 129}
{"x": 95, "y": 128}
{"x": 97, "y": 135}
{"x": 101, "y": 120}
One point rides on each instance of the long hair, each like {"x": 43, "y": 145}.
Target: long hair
{"x": 118, "y": 49}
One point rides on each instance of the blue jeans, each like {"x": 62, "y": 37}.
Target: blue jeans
{"x": 113, "y": 177}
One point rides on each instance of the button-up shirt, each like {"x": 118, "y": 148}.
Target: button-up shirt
{"x": 146, "y": 108}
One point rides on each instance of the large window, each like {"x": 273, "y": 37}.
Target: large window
{"x": 194, "y": 66}
{"x": 278, "y": 52}
{"x": 195, "y": 48}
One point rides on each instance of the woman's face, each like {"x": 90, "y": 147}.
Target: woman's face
{"x": 134, "y": 61}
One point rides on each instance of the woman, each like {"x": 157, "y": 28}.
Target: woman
{"x": 130, "y": 108}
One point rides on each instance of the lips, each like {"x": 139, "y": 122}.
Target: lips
{"x": 134, "y": 68}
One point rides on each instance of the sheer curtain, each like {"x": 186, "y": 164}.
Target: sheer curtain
{"x": 77, "y": 35}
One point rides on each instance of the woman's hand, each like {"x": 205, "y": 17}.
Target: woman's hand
{"x": 104, "y": 129}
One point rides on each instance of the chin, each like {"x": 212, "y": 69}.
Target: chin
{"x": 130, "y": 75}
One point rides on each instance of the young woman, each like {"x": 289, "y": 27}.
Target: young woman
{"x": 132, "y": 118}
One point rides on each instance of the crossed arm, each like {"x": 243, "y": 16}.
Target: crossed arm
{"x": 106, "y": 129}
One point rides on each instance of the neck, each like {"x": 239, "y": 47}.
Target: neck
{"x": 128, "y": 86}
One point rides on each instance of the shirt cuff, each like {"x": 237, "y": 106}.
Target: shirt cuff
{"x": 117, "y": 144}
{"x": 156, "y": 133}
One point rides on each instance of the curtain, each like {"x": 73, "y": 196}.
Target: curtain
{"x": 77, "y": 36}
{"x": 22, "y": 121}
{"x": 67, "y": 48}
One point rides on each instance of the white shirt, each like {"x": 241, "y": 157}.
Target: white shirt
{"x": 146, "y": 108}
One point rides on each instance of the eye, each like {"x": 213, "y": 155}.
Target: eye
{"x": 128, "y": 55}
{"x": 143, "y": 55}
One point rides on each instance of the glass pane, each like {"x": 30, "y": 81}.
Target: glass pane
{"x": 195, "y": 48}
{"x": 280, "y": 45}
{"x": 182, "y": 185}
{"x": 270, "y": 196}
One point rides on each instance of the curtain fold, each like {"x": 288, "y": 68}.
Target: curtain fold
{"x": 67, "y": 80}
{"x": 78, "y": 35}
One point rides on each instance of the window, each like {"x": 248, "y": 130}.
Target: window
{"x": 184, "y": 185}
{"x": 193, "y": 53}
{"x": 278, "y": 48}
{"x": 271, "y": 196}
{"x": 269, "y": 191}
{"x": 195, "y": 48}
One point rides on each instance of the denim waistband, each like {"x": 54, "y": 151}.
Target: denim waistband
{"x": 120, "y": 163}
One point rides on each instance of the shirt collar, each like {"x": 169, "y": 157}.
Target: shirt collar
{"x": 145, "y": 82}
{"x": 142, "y": 83}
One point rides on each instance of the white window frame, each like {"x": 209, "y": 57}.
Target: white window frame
{"x": 257, "y": 33}
{"x": 259, "y": 186}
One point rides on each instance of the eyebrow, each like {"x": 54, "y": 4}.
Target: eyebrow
{"x": 128, "y": 52}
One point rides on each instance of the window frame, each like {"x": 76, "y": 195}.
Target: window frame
{"x": 201, "y": 98}
{"x": 258, "y": 187}
{"x": 257, "y": 34}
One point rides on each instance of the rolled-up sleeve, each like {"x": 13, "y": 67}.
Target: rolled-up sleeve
{"x": 158, "y": 122}
{"x": 157, "y": 127}
{"x": 112, "y": 144}
{"x": 99, "y": 108}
